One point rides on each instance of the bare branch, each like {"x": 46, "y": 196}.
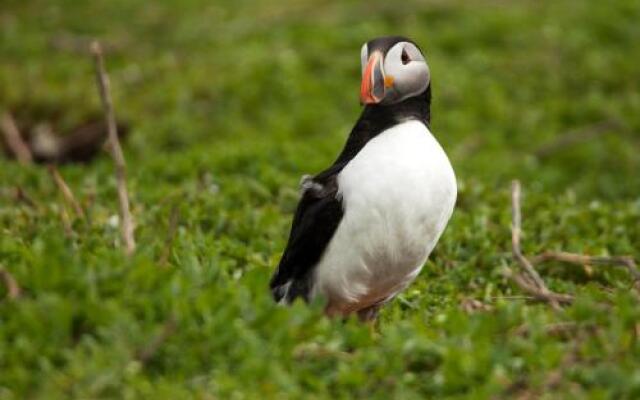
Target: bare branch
{"x": 516, "y": 231}
{"x": 581, "y": 259}
{"x": 13, "y": 290}
{"x": 116, "y": 150}
{"x": 532, "y": 283}
{"x": 535, "y": 285}
{"x": 14, "y": 140}
{"x": 555, "y": 299}
{"x": 66, "y": 222}
{"x": 168, "y": 328}
{"x": 567, "y": 329}
{"x": 171, "y": 233}
{"x": 471, "y": 305}
{"x": 67, "y": 194}
{"x": 22, "y": 197}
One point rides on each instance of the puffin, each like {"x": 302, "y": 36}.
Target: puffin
{"x": 365, "y": 226}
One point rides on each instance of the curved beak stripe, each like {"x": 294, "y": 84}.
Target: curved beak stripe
{"x": 373, "y": 81}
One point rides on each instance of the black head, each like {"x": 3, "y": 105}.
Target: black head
{"x": 393, "y": 69}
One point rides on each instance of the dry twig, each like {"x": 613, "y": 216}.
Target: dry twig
{"x": 536, "y": 287}
{"x": 516, "y": 232}
{"x": 67, "y": 194}
{"x": 547, "y": 296}
{"x": 22, "y": 197}
{"x": 470, "y": 305}
{"x": 14, "y": 140}
{"x": 168, "y": 328}
{"x": 66, "y": 222}
{"x": 532, "y": 283}
{"x": 116, "y": 151}
{"x": 171, "y": 233}
{"x": 581, "y": 259}
{"x": 563, "y": 329}
{"x": 13, "y": 290}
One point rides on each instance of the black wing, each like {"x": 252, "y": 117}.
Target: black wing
{"x": 320, "y": 211}
{"x": 316, "y": 219}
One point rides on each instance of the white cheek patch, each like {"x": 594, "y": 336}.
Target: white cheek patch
{"x": 412, "y": 79}
{"x": 409, "y": 79}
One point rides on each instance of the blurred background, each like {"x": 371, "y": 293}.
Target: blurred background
{"x": 544, "y": 91}
{"x": 223, "y": 105}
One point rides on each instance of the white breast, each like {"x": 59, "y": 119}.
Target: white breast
{"x": 398, "y": 194}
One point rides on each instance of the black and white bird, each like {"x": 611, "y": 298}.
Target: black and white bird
{"x": 365, "y": 226}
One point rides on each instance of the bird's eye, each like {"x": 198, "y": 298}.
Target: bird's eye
{"x": 405, "y": 57}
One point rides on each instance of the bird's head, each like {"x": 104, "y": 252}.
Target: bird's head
{"x": 393, "y": 69}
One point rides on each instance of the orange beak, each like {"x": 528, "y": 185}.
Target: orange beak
{"x": 372, "y": 87}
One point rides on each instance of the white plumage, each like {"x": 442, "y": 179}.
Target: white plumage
{"x": 398, "y": 194}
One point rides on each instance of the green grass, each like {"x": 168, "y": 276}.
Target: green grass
{"x": 229, "y": 104}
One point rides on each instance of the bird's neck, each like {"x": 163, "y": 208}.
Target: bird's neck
{"x": 376, "y": 118}
{"x": 384, "y": 116}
